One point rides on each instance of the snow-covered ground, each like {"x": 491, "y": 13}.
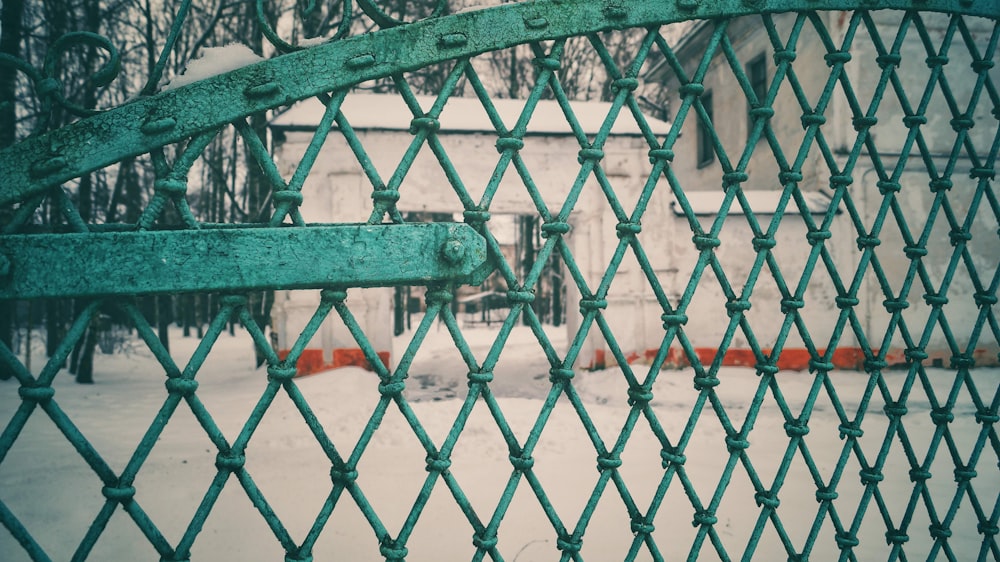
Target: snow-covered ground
{"x": 53, "y": 492}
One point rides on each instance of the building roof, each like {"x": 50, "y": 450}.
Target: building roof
{"x": 388, "y": 112}
{"x": 659, "y": 70}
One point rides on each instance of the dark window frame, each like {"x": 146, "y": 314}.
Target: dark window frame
{"x": 756, "y": 71}
{"x": 706, "y": 149}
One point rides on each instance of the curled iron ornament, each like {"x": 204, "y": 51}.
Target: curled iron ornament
{"x": 347, "y": 9}
{"x": 47, "y": 85}
{"x": 31, "y": 72}
{"x": 20, "y": 64}
{"x": 385, "y": 21}
{"x": 369, "y": 7}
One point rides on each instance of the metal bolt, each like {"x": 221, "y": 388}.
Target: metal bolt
{"x": 453, "y": 251}
{"x": 5, "y": 267}
{"x": 47, "y": 167}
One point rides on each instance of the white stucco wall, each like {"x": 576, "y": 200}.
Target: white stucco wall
{"x": 337, "y": 190}
{"x": 890, "y": 137}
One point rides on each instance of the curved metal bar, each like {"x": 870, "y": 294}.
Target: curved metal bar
{"x": 385, "y": 21}
{"x": 36, "y": 164}
{"x": 286, "y": 47}
{"x": 345, "y": 22}
{"x": 102, "y": 77}
{"x": 270, "y": 33}
{"x": 168, "y": 47}
{"x": 19, "y": 64}
{"x": 48, "y": 88}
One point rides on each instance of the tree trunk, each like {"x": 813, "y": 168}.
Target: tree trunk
{"x": 85, "y": 369}
{"x": 7, "y": 323}
{"x": 164, "y": 314}
{"x": 513, "y": 85}
{"x": 133, "y": 193}
{"x": 528, "y": 249}
{"x": 399, "y": 314}
{"x": 408, "y": 312}
{"x": 197, "y": 315}
{"x": 28, "y": 336}
{"x": 260, "y": 309}
{"x": 557, "y": 299}
{"x": 55, "y": 330}
{"x": 257, "y": 185}
{"x": 74, "y": 357}
{"x": 11, "y": 13}
{"x": 187, "y": 310}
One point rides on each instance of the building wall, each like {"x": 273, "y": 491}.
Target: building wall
{"x": 336, "y": 190}
{"x": 890, "y": 135}
{"x": 938, "y": 159}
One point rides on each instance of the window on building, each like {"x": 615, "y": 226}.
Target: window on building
{"x": 706, "y": 150}
{"x": 756, "y": 71}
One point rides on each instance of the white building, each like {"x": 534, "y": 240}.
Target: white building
{"x": 944, "y": 157}
{"x": 337, "y": 190}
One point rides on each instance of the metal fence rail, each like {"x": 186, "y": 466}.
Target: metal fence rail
{"x": 912, "y": 261}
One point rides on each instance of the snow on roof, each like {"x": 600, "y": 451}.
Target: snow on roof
{"x": 707, "y": 203}
{"x": 467, "y": 115}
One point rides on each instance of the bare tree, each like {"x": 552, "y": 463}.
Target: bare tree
{"x": 226, "y": 184}
{"x": 10, "y": 49}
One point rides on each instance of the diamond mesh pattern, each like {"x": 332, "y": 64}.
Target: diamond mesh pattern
{"x": 930, "y": 267}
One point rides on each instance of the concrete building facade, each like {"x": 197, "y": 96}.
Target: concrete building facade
{"x": 338, "y": 190}
{"x": 899, "y": 199}
{"x": 890, "y": 183}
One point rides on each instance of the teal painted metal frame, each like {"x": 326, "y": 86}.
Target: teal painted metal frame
{"x": 37, "y": 164}
{"x": 42, "y": 163}
{"x": 56, "y": 265}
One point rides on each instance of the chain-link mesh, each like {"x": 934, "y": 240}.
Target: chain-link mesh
{"x": 910, "y": 82}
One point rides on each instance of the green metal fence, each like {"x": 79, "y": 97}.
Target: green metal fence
{"x": 860, "y": 100}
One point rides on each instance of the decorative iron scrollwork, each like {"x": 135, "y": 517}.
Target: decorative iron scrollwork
{"x": 380, "y": 16}
{"x": 46, "y": 83}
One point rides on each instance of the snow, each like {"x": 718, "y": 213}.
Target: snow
{"x": 214, "y": 61}
{"x": 476, "y": 7}
{"x": 313, "y": 41}
{"x": 50, "y": 489}
{"x": 762, "y": 202}
{"x": 465, "y": 115}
